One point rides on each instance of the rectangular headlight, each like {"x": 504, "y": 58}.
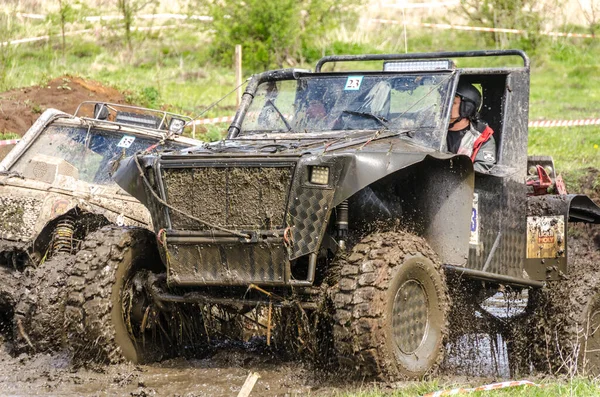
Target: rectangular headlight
{"x": 417, "y": 66}
{"x": 319, "y": 175}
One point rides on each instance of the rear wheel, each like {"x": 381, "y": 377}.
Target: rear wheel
{"x": 391, "y": 307}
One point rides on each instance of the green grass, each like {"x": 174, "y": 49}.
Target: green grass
{"x": 549, "y": 388}
{"x": 8, "y": 135}
{"x": 172, "y": 69}
{"x": 571, "y": 147}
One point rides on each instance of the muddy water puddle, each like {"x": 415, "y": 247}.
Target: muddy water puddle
{"x": 223, "y": 374}
{"x": 225, "y": 371}
{"x": 485, "y": 354}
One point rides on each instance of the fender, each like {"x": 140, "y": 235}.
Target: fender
{"x": 363, "y": 169}
{"x": 574, "y": 207}
{"x": 547, "y": 232}
{"x": 429, "y": 194}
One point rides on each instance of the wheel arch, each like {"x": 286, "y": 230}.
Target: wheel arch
{"x": 574, "y": 207}
{"x": 432, "y": 198}
{"x": 85, "y": 222}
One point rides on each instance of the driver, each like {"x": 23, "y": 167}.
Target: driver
{"x": 467, "y": 134}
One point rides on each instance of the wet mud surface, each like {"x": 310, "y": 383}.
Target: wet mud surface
{"x": 478, "y": 356}
{"x": 221, "y": 374}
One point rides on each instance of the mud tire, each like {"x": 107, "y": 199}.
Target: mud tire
{"x": 94, "y": 315}
{"x": 564, "y": 326}
{"x": 39, "y": 311}
{"x": 9, "y": 295}
{"x": 382, "y": 271}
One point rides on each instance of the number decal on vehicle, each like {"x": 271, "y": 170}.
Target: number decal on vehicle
{"x": 126, "y": 141}
{"x": 353, "y": 83}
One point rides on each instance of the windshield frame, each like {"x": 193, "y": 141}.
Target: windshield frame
{"x": 236, "y": 129}
{"x": 86, "y": 131}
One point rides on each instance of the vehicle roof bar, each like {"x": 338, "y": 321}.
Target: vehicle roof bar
{"x": 432, "y": 55}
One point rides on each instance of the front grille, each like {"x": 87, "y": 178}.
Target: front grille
{"x": 243, "y": 198}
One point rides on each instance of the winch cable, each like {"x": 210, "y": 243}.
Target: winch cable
{"x": 157, "y": 197}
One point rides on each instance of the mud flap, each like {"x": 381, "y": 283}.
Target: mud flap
{"x": 547, "y": 222}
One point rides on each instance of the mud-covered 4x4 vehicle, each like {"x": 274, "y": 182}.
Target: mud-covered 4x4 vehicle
{"x": 332, "y": 212}
{"x": 55, "y": 186}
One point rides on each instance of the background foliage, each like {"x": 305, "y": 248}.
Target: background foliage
{"x": 274, "y": 32}
{"x": 184, "y": 65}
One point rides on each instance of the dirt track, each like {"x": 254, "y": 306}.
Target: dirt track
{"x": 19, "y": 108}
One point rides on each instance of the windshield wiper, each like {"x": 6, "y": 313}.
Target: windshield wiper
{"x": 382, "y": 120}
{"x": 281, "y": 116}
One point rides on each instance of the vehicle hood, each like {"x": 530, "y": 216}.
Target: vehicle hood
{"x": 301, "y": 144}
{"x": 384, "y": 150}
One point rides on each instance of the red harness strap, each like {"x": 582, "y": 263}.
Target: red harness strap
{"x": 481, "y": 139}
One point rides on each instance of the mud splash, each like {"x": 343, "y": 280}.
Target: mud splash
{"x": 480, "y": 334}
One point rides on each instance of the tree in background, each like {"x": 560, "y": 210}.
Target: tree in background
{"x": 273, "y": 32}
{"x": 591, "y": 13}
{"x": 507, "y": 14}
{"x": 68, "y": 12}
{"x": 323, "y": 16}
{"x": 129, "y": 9}
{"x": 64, "y": 15}
{"x": 267, "y": 30}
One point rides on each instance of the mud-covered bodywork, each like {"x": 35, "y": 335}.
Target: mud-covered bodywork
{"x": 547, "y": 232}
{"x": 251, "y": 209}
{"x": 60, "y": 172}
{"x": 261, "y": 215}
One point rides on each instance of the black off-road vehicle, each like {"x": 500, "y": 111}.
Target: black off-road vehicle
{"x": 332, "y": 193}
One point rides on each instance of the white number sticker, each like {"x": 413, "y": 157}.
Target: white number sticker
{"x": 126, "y": 141}
{"x": 353, "y": 83}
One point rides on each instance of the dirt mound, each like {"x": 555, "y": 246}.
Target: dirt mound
{"x": 19, "y": 108}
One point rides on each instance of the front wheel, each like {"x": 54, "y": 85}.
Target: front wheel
{"x": 104, "y": 314}
{"x": 391, "y": 307}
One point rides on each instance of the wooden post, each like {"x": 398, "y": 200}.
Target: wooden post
{"x": 248, "y": 384}
{"x": 238, "y": 73}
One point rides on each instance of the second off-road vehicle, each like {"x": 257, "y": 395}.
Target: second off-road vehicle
{"x": 55, "y": 189}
